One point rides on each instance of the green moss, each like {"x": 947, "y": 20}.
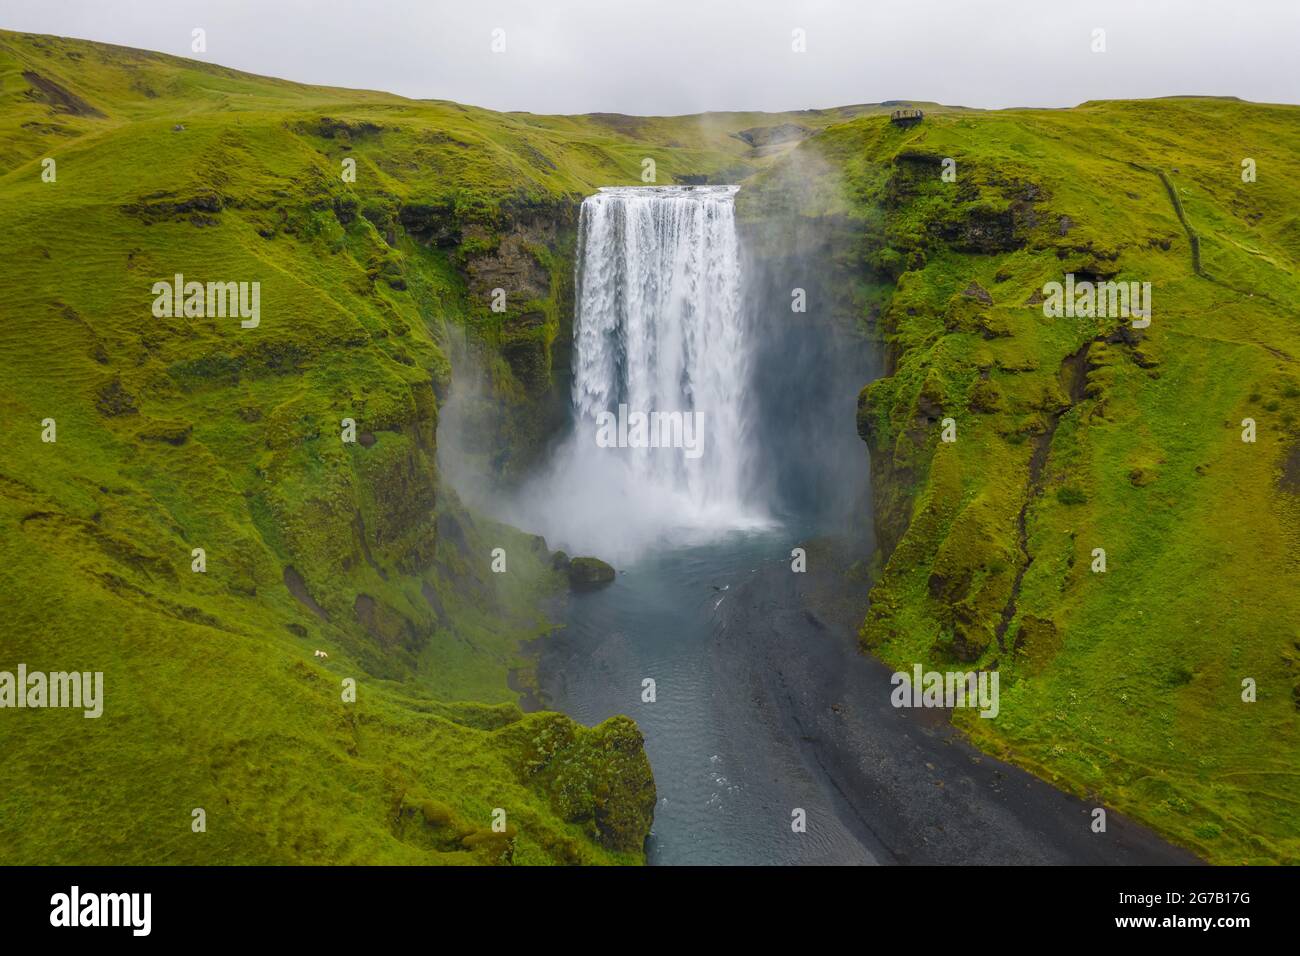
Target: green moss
{"x": 585, "y": 573}
{"x": 1071, "y": 496}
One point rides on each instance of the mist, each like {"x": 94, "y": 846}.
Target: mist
{"x": 774, "y": 382}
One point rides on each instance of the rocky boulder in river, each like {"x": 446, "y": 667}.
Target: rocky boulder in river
{"x": 588, "y": 573}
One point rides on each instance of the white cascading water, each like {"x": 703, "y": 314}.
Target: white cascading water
{"x": 658, "y": 328}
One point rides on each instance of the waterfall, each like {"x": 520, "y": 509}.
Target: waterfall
{"x": 659, "y": 330}
{"x": 660, "y": 358}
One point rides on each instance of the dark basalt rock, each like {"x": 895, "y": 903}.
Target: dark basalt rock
{"x": 432, "y": 223}
{"x": 588, "y": 573}
{"x": 979, "y": 293}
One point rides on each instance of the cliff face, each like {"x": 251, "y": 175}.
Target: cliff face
{"x": 518, "y": 273}
{"x": 1123, "y": 672}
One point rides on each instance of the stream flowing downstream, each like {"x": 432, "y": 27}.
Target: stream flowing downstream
{"x": 764, "y": 707}
{"x": 726, "y": 786}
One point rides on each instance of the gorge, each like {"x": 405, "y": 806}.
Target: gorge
{"x": 472, "y": 296}
{"x": 754, "y": 701}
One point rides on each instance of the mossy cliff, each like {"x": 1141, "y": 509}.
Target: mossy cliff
{"x": 1077, "y": 434}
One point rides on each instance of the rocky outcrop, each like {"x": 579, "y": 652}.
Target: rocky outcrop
{"x": 596, "y": 777}
{"x": 586, "y": 574}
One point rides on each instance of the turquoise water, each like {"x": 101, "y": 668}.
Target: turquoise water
{"x": 726, "y": 788}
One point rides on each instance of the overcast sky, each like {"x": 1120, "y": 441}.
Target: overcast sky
{"x": 683, "y": 56}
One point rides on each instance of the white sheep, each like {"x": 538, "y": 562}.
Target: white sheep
{"x": 321, "y": 654}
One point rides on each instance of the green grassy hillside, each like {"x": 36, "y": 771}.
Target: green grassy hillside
{"x": 1074, "y": 434}
{"x": 176, "y": 433}
{"x": 183, "y": 433}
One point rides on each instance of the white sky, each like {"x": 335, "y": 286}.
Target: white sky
{"x": 682, "y": 56}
